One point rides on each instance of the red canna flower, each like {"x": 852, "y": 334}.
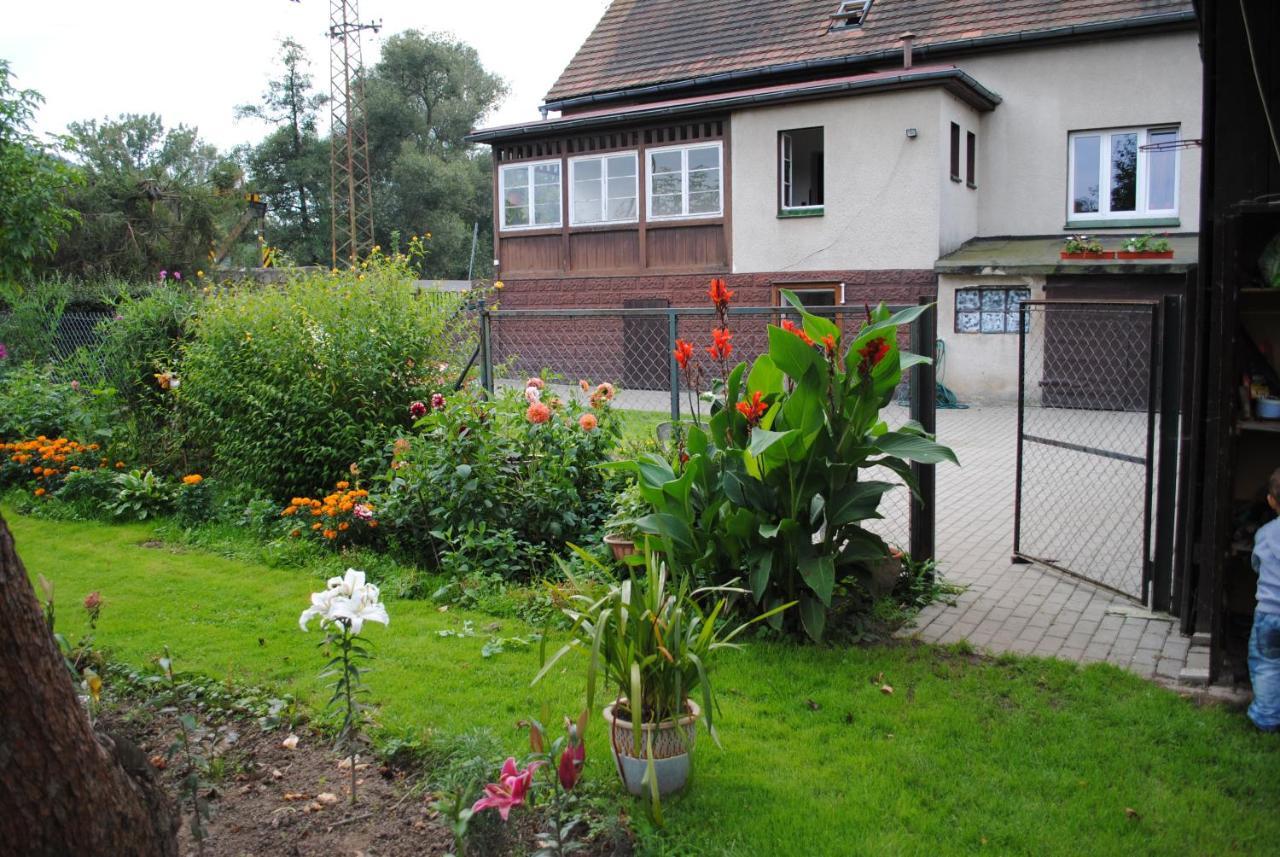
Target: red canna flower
{"x": 829, "y": 343}
{"x": 789, "y": 327}
{"x": 755, "y": 409}
{"x": 721, "y": 346}
{"x": 719, "y": 294}
{"x": 872, "y": 353}
{"x": 683, "y": 351}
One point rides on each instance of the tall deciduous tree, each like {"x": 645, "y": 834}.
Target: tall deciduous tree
{"x": 424, "y": 95}
{"x": 64, "y": 789}
{"x": 290, "y": 167}
{"x": 32, "y": 185}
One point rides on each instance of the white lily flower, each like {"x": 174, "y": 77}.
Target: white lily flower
{"x": 361, "y": 607}
{"x": 350, "y": 587}
{"x": 321, "y": 606}
{"x": 347, "y": 585}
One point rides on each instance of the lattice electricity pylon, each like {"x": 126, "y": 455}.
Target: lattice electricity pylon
{"x": 350, "y": 186}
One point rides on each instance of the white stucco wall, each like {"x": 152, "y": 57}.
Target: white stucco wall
{"x": 959, "y": 203}
{"x": 980, "y": 367}
{"x": 1048, "y": 92}
{"x": 882, "y": 189}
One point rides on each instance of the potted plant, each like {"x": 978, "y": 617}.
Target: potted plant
{"x": 1145, "y": 247}
{"x": 629, "y": 505}
{"x": 653, "y": 642}
{"x": 1085, "y": 247}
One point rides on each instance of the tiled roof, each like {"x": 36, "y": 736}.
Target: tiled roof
{"x": 642, "y": 42}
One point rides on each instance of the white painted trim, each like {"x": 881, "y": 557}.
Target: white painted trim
{"x": 502, "y": 196}
{"x": 1143, "y": 168}
{"x": 684, "y": 150}
{"x": 604, "y": 186}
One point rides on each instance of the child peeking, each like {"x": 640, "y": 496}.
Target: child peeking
{"x": 1264, "y": 642}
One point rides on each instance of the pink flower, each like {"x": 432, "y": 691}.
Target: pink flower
{"x": 510, "y": 790}
{"x": 163, "y": 274}
{"x": 532, "y": 394}
{"x": 92, "y": 601}
{"x": 4, "y": 352}
{"x": 535, "y": 382}
{"x": 363, "y": 512}
{"x": 437, "y": 401}
{"x": 571, "y": 761}
{"x": 417, "y": 410}
{"x": 177, "y": 275}
{"x": 75, "y": 385}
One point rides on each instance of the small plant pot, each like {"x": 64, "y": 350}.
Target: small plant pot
{"x": 1105, "y": 254}
{"x": 621, "y": 546}
{"x": 672, "y": 743}
{"x": 1145, "y": 254}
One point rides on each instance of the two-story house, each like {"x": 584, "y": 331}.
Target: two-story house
{"x": 858, "y": 151}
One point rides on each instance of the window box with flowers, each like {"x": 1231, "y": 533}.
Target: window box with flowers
{"x": 1145, "y": 247}
{"x": 1084, "y": 247}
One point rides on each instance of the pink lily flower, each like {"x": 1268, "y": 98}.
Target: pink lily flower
{"x": 571, "y": 761}
{"x": 510, "y": 790}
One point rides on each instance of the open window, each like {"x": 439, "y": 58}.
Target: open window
{"x": 849, "y": 14}
{"x": 800, "y": 171}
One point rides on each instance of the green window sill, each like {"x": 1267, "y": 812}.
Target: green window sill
{"x": 816, "y": 211}
{"x": 1122, "y": 224}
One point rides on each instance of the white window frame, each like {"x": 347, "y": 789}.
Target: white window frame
{"x": 502, "y": 196}
{"x": 786, "y": 167}
{"x": 1104, "y": 212}
{"x": 604, "y": 187}
{"x": 684, "y": 150}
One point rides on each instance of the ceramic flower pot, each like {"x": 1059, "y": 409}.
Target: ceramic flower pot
{"x": 621, "y": 546}
{"x": 672, "y": 744}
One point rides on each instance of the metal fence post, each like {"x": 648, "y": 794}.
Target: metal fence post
{"x": 1024, "y": 322}
{"x": 674, "y": 367}
{"x": 486, "y": 352}
{"x": 1167, "y": 463}
{"x": 924, "y": 410}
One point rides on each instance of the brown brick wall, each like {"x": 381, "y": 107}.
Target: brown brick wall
{"x": 891, "y": 286}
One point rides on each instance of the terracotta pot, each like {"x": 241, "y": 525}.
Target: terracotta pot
{"x": 1105, "y": 254}
{"x": 621, "y": 546}
{"x": 1145, "y": 254}
{"x": 672, "y": 744}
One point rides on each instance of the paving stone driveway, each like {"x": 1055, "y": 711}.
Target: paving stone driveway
{"x": 1028, "y": 609}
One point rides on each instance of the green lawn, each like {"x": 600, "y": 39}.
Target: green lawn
{"x": 1016, "y": 756}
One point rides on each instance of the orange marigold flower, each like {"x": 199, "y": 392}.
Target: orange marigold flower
{"x": 330, "y": 534}
{"x": 192, "y": 479}
{"x": 343, "y": 527}
{"x": 538, "y": 413}
{"x": 293, "y": 534}
{"x": 588, "y": 422}
{"x": 683, "y": 351}
{"x": 719, "y": 294}
{"x": 721, "y": 345}
{"x": 790, "y": 327}
{"x": 373, "y": 525}
{"x": 344, "y": 485}
{"x": 40, "y": 492}
{"x": 315, "y": 526}
{"x": 119, "y": 465}
{"x": 315, "y": 513}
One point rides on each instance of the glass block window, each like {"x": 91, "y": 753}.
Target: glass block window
{"x": 982, "y": 310}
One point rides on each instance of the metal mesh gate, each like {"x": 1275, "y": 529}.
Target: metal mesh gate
{"x": 1088, "y": 391}
{"x": 632, "y": 349}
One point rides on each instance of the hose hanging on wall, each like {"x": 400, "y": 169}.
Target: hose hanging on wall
{"x": 946, "y": 397}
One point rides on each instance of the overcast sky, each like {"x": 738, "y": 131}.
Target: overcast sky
{"x": 193, "y": 62}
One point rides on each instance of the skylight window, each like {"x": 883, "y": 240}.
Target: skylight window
{"x": 850, "y": 14}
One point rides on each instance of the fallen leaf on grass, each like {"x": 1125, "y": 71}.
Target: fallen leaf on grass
{"x": 296, "y": 796}
{"x": 327, "y": 798}
{"x": 159, "y": 762}
{"x": 277, "y": 774}
{"x": 290, "y": 743}
{"x": 813, "y": 706}
{"x": 344, "y": 764}
{"x": 886, "y": 690}
{"x": 1132, "y": 813}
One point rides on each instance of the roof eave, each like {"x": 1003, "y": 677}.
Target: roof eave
{"x": 927, "y": 52}
{"x": 953, "y": 80}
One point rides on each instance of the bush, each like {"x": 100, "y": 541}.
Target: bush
{"x": 33, "y": 402}
{"x": 486, "y": 489}
{"x": 281, "y": 385}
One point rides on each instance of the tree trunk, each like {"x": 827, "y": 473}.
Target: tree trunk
{"x": 63, "y": 789}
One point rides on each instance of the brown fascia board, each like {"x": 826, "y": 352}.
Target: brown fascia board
{"x": 953, "y": 80}
{"x": 926, "y": 52}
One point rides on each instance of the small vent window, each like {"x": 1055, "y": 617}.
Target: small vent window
{"x": 851, "y": 13}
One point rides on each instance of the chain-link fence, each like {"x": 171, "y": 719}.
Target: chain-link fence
{"x": 1088, "y": 383}
{"x": 632, "y": 349}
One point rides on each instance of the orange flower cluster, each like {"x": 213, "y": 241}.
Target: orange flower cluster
{"x": 50, "y": 459}
{"x": 791, "y": 327}
{"x": 754, "y": 410}
{"x": 192, "y": 479}
{"x": 720, "y": 294}
{"x": 336, "y": 515}
{"x": 603, "y": 394}
{"x": 721, "y": 345}
{"x": 683, "y": 351}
